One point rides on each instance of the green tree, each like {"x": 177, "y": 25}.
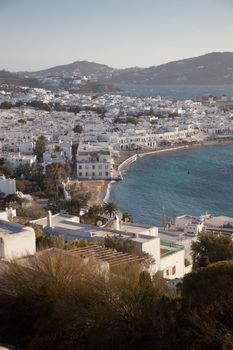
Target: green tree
{"x": 110, "y": 208}
{"x": 126, "y": 217}
{"x": 40, "y": 147}
{"x": 6, "y": 170}
{"x": 78, "y": 129}
{"x": 207, "y": 304}
{"x": 55, "y": 174}
{"x": 120, "y": 244}
{"x": 210, "y": 248}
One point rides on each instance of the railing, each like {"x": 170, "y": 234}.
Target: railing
{"x": 173, "y": 248}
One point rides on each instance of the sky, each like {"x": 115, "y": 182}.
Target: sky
{"x": 38, "y": 34}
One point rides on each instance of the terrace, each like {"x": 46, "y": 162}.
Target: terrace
{"x": 168, "y": 248}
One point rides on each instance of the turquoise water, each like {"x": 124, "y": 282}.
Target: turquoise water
{"x": 162, "y": 181}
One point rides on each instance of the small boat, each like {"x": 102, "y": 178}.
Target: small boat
{"x": 188, "y": 171}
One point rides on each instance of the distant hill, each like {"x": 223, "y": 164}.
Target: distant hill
{"x": 79, "y": 68}
{"x": 211, "y": 69}
{"x": 14, "y": 80}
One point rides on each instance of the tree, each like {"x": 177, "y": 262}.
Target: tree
{"x": 78, "y": 128}
{"x": 120, "y": 244}
{"x": 210, "y": 248}
{"x": 126, "y": 217}
{"x": 55, "y": 174}
{"x": 43, "y": 304}
{"x": 6, "y": 170}
{"x": 207, "y": 303}
{"x": 40, "y": 148}
{"x": 6, "y": 105}
{"x": 110, "y": 208}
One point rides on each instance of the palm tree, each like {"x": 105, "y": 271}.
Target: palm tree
{"x": 126, "y": 217}
{"x": 110, "y": 208}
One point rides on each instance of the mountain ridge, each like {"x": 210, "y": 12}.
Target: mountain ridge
{"x": 211, "y": 68}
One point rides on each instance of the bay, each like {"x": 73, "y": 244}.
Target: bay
{"x": 191, "y": 181}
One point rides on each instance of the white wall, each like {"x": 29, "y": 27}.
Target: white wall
{"x": 7, "y": 186}
{"x": 168, "y": 262}
{"x": 16, "y": 245}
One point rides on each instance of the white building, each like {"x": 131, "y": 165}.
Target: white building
{"x": 189, "y": 224}
{"x": 16, "y": 240}
{"x": 168, "y": 257}
{"x": 94, "y": 161}
{"x": 7, "y": 186}
{"x": 15, "y": 160}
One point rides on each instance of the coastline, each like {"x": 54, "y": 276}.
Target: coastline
{"x": 106, "y": 190}
{"x": 206, "y": 143}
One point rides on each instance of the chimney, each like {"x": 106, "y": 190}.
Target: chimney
{"x": 49, "y": 219}
{"x": 117, "y": 223}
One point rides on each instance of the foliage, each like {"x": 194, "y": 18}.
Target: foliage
{"x": 50, "y": 241}
{"x": 120, "y": 244}
{"x": 210, "y": 248}
{"x": 55, "y": 174}
{"x": 110, "y": 208}
{"x": 6, "y": 170}
{"x": 31, "y": 213}
{"x": 94, "y": 215}
{"x": 5, "y": 105}
{"x": 133, "y": 120}
{"x": 206, "y": 311}
{"x": 63, "y": 303}
{"x": 40, "y": 105}
{"x": 126, "y": 217}
{"x": 40, "y": 147}
{"x": 78, "y": 128}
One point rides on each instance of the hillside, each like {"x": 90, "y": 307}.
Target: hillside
{"x": 211, "y": 69}
{"x": 78, "y": 68}
{"x": 14, "y": 80}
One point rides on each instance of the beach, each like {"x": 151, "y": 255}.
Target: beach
{"x": 100, "y": 189}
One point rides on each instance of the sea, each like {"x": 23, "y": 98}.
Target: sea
{"x": 192, "y": 181}
{"x": 181, "y": 92}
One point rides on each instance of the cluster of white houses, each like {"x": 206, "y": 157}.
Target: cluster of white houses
{"x": 160, "y": 121}
{"x": 18, "y": 241}
{"x": 168, "y": 258}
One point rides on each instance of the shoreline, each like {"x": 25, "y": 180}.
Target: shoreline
{"x": 206, "y": 143}
{"x": 132, "y": 158}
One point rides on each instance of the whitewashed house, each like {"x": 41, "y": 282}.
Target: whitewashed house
{"x": 168, "y": 257}
{"x": 15, "y": 160}
{"x": 94, "y": 161}
{"x": 7, "y": 186}
{"x": 16, "y": 240}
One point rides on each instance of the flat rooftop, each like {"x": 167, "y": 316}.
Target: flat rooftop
{"x": 78, "y": 230}
{"x": 218, "y": 221}
{"x": 8, "y": 228}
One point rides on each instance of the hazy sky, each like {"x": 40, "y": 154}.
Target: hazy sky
{"x": 36, "y": 34}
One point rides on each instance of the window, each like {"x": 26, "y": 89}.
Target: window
{"x": 106, "y": 174}
{"x": 93, "y": 174}
{"x": 80, "y": 167}
{"x": 80, "y": 174}
{"x": 106, "y": 166}
{"x": 173, "y": 270}
{"x": 100, "y": 166}
{"x": 86, "y": 166}
{"x": 86, "y": 174}
{"x": 167, "y": 272}
{"x": 100, "y": 173}
{"x": 93, "y": 166}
